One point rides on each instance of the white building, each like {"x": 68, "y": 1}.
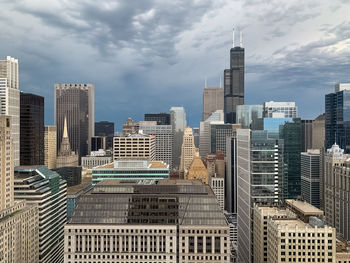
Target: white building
{"x": 96, "y": 158}
{"x": 274, "y": 109}
{"x": 10, "y": 99}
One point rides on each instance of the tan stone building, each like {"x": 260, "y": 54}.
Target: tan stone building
{"x": 66, "y": 157}
{"x": 19, "y": 221}
{"x": 213, "y": 100}
{"x": 197, "y": 170}
{"x": 129, "y": 127}
{"x": 187, "y": 152}
{"x": 50, "y": 145}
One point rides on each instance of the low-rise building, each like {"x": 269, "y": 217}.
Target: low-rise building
{"x": 96, "y": 158}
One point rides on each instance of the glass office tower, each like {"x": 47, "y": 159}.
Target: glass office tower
{"x": 178, "y": 122}
{"x": 248, "y": 114}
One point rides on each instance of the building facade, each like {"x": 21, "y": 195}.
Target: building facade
{"x": 311, "y": 177}
{"x": 160, "y": 118}
{"x": 187, "y": 152}
{"x": 234, "y": 83}
{"x": 50, "y": 147}
{"x": 274, "y": 109}
{"x": 197, "y": 170}
{"x": 179, "y": 229}
{"x": 134, "y": 146}
{"x": 32, "y": 150}
{"x": 66, "y": 157}
{"x": 247, "y": 115}
{"x": 213, "y": 100}
{"x": 164, "y": 141}
{"x": 19, "y": 221}
{"x": 131, "y": 170}
{"x": 43, "y": 187}
{"x": 318, "y": 132}
{"x": 218, "y": 135}
{"x": 306, "y": 135}
{"x": 105, "y": 128}
{"x": 98, "y": 142}
{"x": 95, "y": 159}
{"x": 75, "y": 102}
{"x": 178, "y": 124}
{"x": 10, "y": 99}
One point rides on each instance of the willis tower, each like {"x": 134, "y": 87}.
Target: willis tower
{"x": 234, "y": 81}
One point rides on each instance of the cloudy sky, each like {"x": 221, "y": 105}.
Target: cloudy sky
{"x": 148, "y": 55}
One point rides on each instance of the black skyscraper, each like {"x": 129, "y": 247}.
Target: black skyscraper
{"x": 160, "y": 118}
{"x": 234, "y": 83}
{"x": 31, "y": 129}
{"x": 105, "y": 128}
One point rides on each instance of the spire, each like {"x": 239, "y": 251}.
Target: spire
{"x": 241, "y": 39}
{"x": 205, "y": 82}
{"x": 233, "y": 36}
{"x": 65, "y": 129}
{"x": 220, "y": 82}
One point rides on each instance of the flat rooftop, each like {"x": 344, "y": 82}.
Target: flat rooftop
{"x": 291, "y": 223}
{"x": 134, "y": 164}
{"x": 85, "y": 182}
{"x": 304, "y": 207}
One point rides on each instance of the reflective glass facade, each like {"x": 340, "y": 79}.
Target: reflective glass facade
{"x": 178, "y": 122}
{"x": 338, "y": 119}
{"x": 247, "y": 114}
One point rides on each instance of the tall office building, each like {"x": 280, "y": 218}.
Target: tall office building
{"x": 196, "y": 135}
{"x": 318, "y": 132}
{"x": 306, "y": 135}
{"x": 257, "y": 181}
{"x": 10, "y": 99}
{"x": 164, "y": 140}
{"x": 50, "y": 147}
{"x": 311, "y": 177}
{"x": 113, "y": 223}
{"x": 105, "y": 128}
{"x": 135, "y": 146}
{"x": 337, "y": 190}
{"x": 234, "y": 82}
{"x": 338, "y": 117}
{"x": 274, "y": 109}
{"x": 187, "y": 152}
{"x": 160, "y": 118}
{"x": 66, "y": 157}
{"x": 247, "y": 115}
{"x": 231, "y": 175}
{"x": 76, "y": 103}
{"x": 98, "y": 142}
{"x": 32, "y": 149}
{"x": 218, "y": 135}
{"x": 178, "y": 124}
{"x": 213, "y": 100}
{"x": 19, "y": 221}
{"x": 45, "y": 188}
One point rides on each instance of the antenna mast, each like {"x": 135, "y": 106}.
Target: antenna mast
{"x": 241, "y": 39}
{"x": 233, "y": 37}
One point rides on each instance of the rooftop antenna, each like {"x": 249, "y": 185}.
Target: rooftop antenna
{"x": 233, "y": 37}
{"x": 220, "y": 82}
{"x": 241, "y": 39}
{"x": 205, "y": 82}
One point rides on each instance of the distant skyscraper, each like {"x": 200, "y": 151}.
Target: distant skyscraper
{"x": 187, "y": 151}
{"x": 76, "y": 103}
{"x": 32, "y": 129}
{"x": 318, "y": 132}
{"x": 196, "y": 135}
{"x": 19, "y": 221}
{"x": 98, "y": 142}
{"x": 213, "y": 100}
{"x": 10, "y": 99}
{"x": 306, "y": 135}
{"x": 234, "y": 83}
{"x": 274, "y": 109}
{"x": 257, "y": 181}
{"x": 219, "y": 134}
{"x": 178, "y": 123}
{"x": 164, "y": 140}
{"x": 311, "y": 177}
{"x": 160, "y": 118}
{"x": 338, "y": 117}
{"x": 41, "y": 186}
{"x": 50, "y": 145}
{"x": 129, "y": 127}
{"x": 105, "y": 128}
{"x": 246, "y": 115}
{"x": 66, "y": 157}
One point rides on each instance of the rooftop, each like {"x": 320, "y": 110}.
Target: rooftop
{"x": 77, "y": 188}
{"x": 292, "y": 223}
{"x": 134, "y": 164}
{"x": 304, "y": 207}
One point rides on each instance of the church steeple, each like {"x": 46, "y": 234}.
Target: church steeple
{"x": 65, "y": 149}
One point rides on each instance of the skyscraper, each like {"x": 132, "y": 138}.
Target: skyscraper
{"x": 10, "y": 99}
{"x": 19, "y": 221}
{"x": 338, "y": 117}
{"x": 41, "y": 186}
{"x": 105, "y": 128}
{"x": 219, "y": 134}
{"x": 32, "y": 129}
{"x": 306, "y": 135}
{"x": 187, "y": 152}
{"x": 50, "y": 145}
{"x": 213, "y": 100}
{"x": 274, "y": 109}
{"x": 178, "y": 123}
{"x": 257, "y": 181}
{"x": 318, "y": 132}
{"x": 197, "y": 170}
{"x": 234, "y": 82}
{"x": 247, "y": 115}
{"x": 76, "y": 103}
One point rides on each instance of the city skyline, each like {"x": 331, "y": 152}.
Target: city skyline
{"x": 149, "y": 47}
